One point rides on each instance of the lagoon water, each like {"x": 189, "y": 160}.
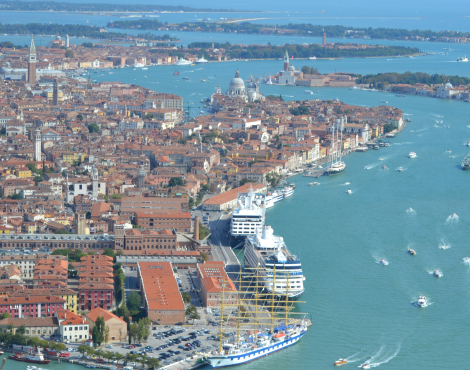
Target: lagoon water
{"x": 356, "y": 304}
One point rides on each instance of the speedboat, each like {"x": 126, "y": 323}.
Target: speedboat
{"x": 313, "y": 183}
{"x": 422, "y": 301}
{"x": 412, "y": 155}
{"x": 466, "y": 259}
{"x": 399, "y": 169}
{"x": 349, "y": 191}
{"x": 365, "y": 366}
{"x": 381, "y": 159}
{"x": 346, "y": 183}
{"x": 367, "y": 168}
{"x": 340, "y": 362}
{"x": 383, "y": 262}
{"x": 384, "y": 167}
{"x": 411, "y": 251}
{"x": 437, "y": 273}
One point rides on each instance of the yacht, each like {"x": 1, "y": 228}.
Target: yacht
{"x": 390, "y": 135}
{"x": 337, "y": 165}
{"x": 437, "y": 273}
{"x": 249, "y": 214}
{"x": 183, "y": 62}
{"x": 466, "y": 163}
{"x": 278, "y": 194}
{"x": 422, "y": 301}
{"x": 201, "y": 61}
{"x": 399, "y": 169}
{"x": 312, "y": 58}
{"x": 412, "y": 155}
{"x": 340, "y": 362}
{"x": 283, "y": 274}
{"x": 462, "y": 59}
{"x": 412, "y": 252}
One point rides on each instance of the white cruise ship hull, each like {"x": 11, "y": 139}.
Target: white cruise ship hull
{"x": 242, "y": 358}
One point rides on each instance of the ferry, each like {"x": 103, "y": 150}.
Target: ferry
{"x": 465, "y": 163}
{"x": 412, "y": 155}
{"x": 462, "y": 59}
{"x": 278, "y": 195}
{"x": 282, "y": 274}
{"x": 35, "y": 358}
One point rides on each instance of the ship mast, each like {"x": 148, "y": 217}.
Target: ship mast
{"x": 222, "y": 315}
{"x": 272, "y": 299}
{"x": 239, "y": 308}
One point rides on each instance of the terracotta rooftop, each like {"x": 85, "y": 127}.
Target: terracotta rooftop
{"x": 99, "y": 312}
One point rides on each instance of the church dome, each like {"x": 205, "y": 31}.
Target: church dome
{"x": 449, "y": 85}
{"x": 237, "y": 82}
{"x": 291, "y": 68}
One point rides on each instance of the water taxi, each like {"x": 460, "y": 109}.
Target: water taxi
{"x": 340, "y": 362}
{"x": 422, "y": 301}
{"x": 412, "y": 155}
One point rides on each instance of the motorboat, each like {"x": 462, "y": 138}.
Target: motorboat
{"x": 349, "y": 191}
{"x": 340, "y": 362}
{"x": 308, "y": 92}
{"x": 313, "y": 183}
{"x": 383, "y": 262}
{"x": 384, "y": 167}
{"x": 399, "y": 169}
{"x": 422, "y": 301}
{"x": 412, "y": 155}
{"x": 412, "y": 252}
{"x": 384, "y": 101}
{"x": 462, "y": 59}
{"x": 437, "y": 273}
{"x": 376, "y": 147}
{"x": 466, "y": 259}
{"x": 203, "y": 80}
{"x": 186, "y": 78}
{"x": 381, "y": 159}
{"x": 182, "y": 62}
{"x": 365, "y": 366}
{"x": 367, "y": 168}
{"x": 347, "y": 183}
{"x": 176, "y": 73}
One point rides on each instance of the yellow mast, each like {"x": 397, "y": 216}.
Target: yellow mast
{"x": 272, "y": 300}
{"x": 287, "y": 297}
{"x": 239, "y": 308}
{"x": 222, "y": 315}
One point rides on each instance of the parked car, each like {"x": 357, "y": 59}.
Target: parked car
{"x": 109, "y": 346}
{"x": 100, "y": 361}
{"x": 138, "y": 345}
{"x": 181, "y": 347}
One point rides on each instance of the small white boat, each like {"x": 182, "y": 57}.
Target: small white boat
{"x": 411, "y": 251}
{"x": 466, "y": 259}
{"x": 313, "y": 183}
{"x": 347, "y": 183}
{"x": 399, "y": 169}
{"x": 349, "y": 191}
{"x": 422, "y": 301}
{"x": 437, "y": 273}
{"x": 340, "y": 362}
{"x": 412, "y": 155}
{"x": 365, "y": 366}
{"x": 367, "y": 168}
{"x": 383, "y": 262}
{"x": 384, "y": 167}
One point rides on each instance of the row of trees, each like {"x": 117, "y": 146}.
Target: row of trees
{"x": 381, "y": 80}
{"x": 24, "y": 340}
{"x": 150, "y": 363}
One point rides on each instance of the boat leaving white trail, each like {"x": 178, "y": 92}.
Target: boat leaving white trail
{"x": 386, "y": 359}
{"x": 411, "y": 211}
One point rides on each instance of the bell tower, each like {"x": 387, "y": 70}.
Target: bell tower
{"x": 32, "y": 63}
{"x": 286, "y": 61}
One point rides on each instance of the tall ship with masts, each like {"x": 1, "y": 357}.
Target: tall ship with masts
{"x": 264, "y": 324}
{"x": 282, "y": 270}
{"x": 337, "y": 165}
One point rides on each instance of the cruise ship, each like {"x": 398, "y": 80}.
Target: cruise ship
{"x": 249, "y": 215}
{"x": 183, "y": 62}
{"x": 283, "y": 271}
{"x": 278, "y": 195}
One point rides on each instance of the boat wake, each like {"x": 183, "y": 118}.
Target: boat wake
{"x": 371, "y": 166}
{"x": 356, "y": 357}
{"x": 421, "y": 130}
{"x": 411, "y": 211}
{"x": 346, "y": 183}
{"x": 437, "y": 115}
{"x": 444, "y": 245}
{"x": 453, "y": 218}
{"x": 382, "y": 262}
{"x": 385, "y": 356}
{"x": 404, "y": 143}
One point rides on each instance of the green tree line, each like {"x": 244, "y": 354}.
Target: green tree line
{"x": 381, "y": 80}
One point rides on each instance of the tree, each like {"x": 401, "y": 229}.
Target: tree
{"x": 80, "y": 117}
{"x": 21, "y": 329}
{"x": 10, "y": 328}
{"x": 133, "y": 301}
{"x": 117, "y": 196}
{"x": 245, "y": 180}
{"x": 106, "y": 334}
{"x": 96, "y": 336}
{"x": 152, "y": 364}
{"x": 87, "y": 45}
{"x": 175, "y": 181}
{"x": 93, "y": 127}
{"x": 186, "y": 297}
{"x": 144, "y": 328}
{"x": 60, "y": 347}
{"x": 69, "y": 54}
{"x": 98, "y": 331}
{"x": 134, "y": 332}
{"x": 273, "y": 179}
{"x": 109, "y": 252}
{"x": 120, "y": 335}
{"x": 305, "y": 70}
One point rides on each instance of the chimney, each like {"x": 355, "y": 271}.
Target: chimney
{"x": 196, "y": 228}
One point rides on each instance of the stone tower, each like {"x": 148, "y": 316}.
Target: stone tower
{"x": 94, "y": 182}
{"x": 55, "y": 93}
{"x": 88, "y": 86}
{"x": 37, "y": 145}
{"x": 286, "y": 61}
{"x": 80, "y": 223}
{"x": 67, "y": 41}
{"x": 141, "y": 177}
{"x": 32, "y": 63}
